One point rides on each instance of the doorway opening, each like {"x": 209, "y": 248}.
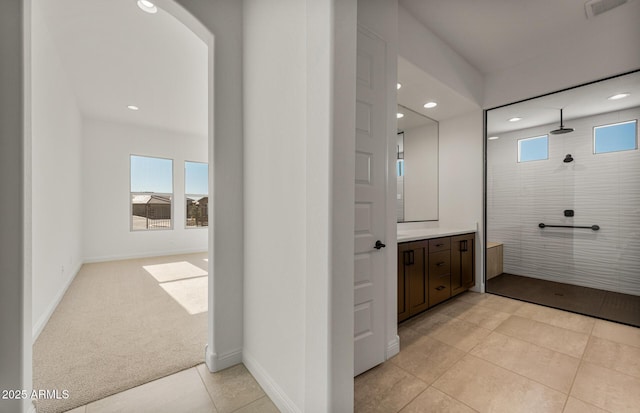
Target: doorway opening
{"x": 110, "y": 81}
{"x": 562, "y": 203}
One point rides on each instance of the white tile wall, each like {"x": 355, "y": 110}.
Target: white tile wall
{"x": 602, "y": 189}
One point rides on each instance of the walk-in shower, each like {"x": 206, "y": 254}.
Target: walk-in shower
{"x": 564, "y": 204}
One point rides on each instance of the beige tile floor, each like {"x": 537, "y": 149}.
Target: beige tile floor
{"x": 486, "y": 353}
{"x": 475, "y": 353}
{"x": 195, "y": 390}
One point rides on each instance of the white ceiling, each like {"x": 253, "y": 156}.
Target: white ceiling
{"x": 411, "y": 119}
{"x": 116, "y": 55}
{"x": 576, "y": 103}
{"x": 493, "y": 35}
{"x": 419, "y": 88}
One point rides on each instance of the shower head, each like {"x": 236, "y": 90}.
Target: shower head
{"x": 568, "y": 158}
{"x": 561, "y": 129}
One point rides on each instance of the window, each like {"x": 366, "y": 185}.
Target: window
{"x": 533, "y": 149}
{"x": 400, "y": 167}
{"x": 615, "y": 137}
{"x": 196, "y": 186}
{"x": 151, "y": 193}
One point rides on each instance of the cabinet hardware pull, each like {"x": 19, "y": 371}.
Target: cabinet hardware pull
{"x": 439, "y": 245}
{"x": 463, "y": 245}
{"x": 442, "y": 287}
{"x": 408, "y": 258}
{"x": 441, "y": 263}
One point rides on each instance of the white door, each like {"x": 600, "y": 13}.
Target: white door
{"x": 370, "y": 205}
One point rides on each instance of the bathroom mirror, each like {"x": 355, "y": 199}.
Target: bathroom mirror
{"x": 416, "y": 167}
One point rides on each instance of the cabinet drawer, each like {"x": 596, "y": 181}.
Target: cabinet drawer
{"x": 439, "y": 288}
{"x": 439, "y": 263}
{"x": 439, "y": 244}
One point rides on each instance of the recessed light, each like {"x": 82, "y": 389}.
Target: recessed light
{"x": 430, "y": 105}
{"x": 399, "y": 85}
{"x": 133, "y": 107}
{"x": 493, "y": 138}
{"x": 515, "y": 119}
{"x": 399, "y": 115}
{"x": 619, "y": 96}
{"x": 147, "y": 6}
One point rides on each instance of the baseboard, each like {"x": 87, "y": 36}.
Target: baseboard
{"x": 216, "y": 363}
{"x": 107, "y": 258}
{"x": 393, "y": 347}
{"x": 275, "y": 393}
{"x": 44, "y": 318}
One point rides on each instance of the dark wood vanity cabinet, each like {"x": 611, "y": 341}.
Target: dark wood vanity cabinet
{"x": 433, "y": 270}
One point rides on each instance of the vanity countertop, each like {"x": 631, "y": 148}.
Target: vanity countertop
{"x": 427, "y": 233}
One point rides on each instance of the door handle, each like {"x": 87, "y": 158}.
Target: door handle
{"x": 379, "y": 245}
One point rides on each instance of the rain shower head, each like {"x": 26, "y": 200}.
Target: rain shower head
{"x": 561, "y": 129}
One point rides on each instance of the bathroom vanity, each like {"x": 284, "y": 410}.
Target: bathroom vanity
{"x": 433, "y": 266}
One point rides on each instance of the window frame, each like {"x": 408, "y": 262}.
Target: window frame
{"x": 169, "y": 195}
{"x": 635, "y": 121}
{"x": 187, "y": 194}
{"x": 546, "y": 136}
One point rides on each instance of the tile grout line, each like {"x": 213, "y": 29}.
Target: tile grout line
{"x": 548, "y": 348}
{"x": 447, "y": 370}
{"x": 519, "y": 374}
{"x": 431, "y": 384}
{"x": 251, "y": 402}
{"x": 206, "y": 388}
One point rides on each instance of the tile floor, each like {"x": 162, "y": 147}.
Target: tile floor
{"x": 486, "y": 353}
{"x": 475, "y": 353}
{"x": 195, "y": 390}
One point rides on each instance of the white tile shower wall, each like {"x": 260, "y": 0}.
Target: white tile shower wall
{"x": 602, "y": 189}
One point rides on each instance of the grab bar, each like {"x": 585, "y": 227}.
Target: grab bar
{"x": 593, "y": 227}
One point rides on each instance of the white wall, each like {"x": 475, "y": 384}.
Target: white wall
{"x": 15, "y": 282}
{"x": 461, "y": 179}
{"x": 299, "y": 125}
{"x": 602, "y": 189}
{"x": 106, "y": 185}
{"x": 57, "y": 200}
{"x": 341, "y": 200}
{"x": 423, "y": 48}
{"x": 570, "y": 61}
{"x": 275, "y": 190}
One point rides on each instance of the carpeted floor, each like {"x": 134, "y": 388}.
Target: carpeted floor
{"x": 122, "y": 324}
{"x": 608, "y": 305}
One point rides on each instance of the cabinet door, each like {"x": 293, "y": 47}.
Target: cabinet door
{"x": 462, "y": 263}
{"x": 412, "y": 279}
{"x": 418, "y": 283}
